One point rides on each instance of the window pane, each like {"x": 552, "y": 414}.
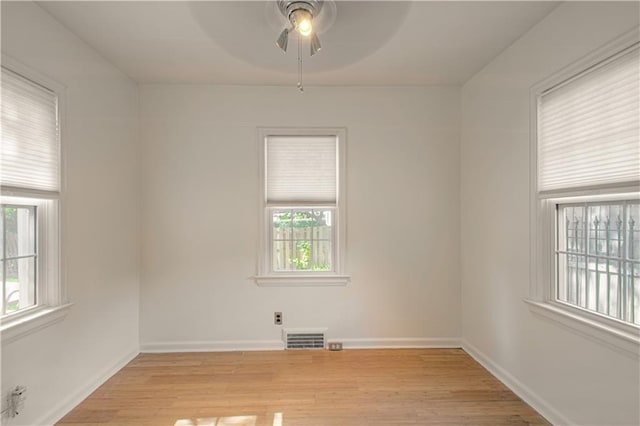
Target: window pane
{"x": 19, "y": 284}
{"x": 19, "y": 227}
{"x": 2, "y": 288}
{"x": 2, "y": 219}
{"x": 614, "y": 297}
{"x": 281, "y": 239}
{"x": 301, "y": 239}
{"x": 568, "y": 277}
{"x": 635, "y": 285}
{"x": 597, "y": 258}
{"x": 572, "y": 235}
{"x": 633, "y": 227}
{"x": 613, "y": 226}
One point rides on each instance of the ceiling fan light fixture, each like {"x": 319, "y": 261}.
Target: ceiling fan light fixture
{"x": 302, "y": 20}
{"x": 300, "y": 15}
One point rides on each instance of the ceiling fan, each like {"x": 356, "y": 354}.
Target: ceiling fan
{"x": 304, "y": 17}
{"x": 300, "y": 14}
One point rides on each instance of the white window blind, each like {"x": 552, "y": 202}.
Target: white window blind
{"x": 30, "y": 156}
{"x": 301, "y": 169}
{"x": 588, "y": 127}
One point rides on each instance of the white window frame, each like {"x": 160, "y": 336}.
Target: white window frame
{"x": 618, "y": 335}
{"x": 265, "y": 276}
{"x": 51, "y": 298}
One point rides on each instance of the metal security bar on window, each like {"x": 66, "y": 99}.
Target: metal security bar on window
{"x": 598, "y": 258}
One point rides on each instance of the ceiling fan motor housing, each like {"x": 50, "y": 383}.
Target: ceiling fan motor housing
{"x": 287, "y": 7}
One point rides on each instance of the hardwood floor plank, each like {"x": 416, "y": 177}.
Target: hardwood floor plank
{"x": 304, "y": 388}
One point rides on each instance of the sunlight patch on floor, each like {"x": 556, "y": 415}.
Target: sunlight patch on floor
{"x": 228, "y": 421}
{"x": 277, "y": 419}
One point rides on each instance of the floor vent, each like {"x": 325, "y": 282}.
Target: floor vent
{"x": 304, "y": 339}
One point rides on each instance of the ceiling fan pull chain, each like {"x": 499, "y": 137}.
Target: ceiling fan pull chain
{"x": 300, "y": 86}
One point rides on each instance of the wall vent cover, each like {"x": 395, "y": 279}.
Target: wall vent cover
{"x": 304, "y": 338}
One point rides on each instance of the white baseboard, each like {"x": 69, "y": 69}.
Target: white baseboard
{"x": 398, "y": 343}
{"x": 276, "y": 345}
{"x": 212, "y": 346}
{"x": 527, "y": 395}
{"x": 84, "y": 391}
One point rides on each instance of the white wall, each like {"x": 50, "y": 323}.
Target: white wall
{"x": 100, "y": 208}
{"x": 199, "y": 220}
{"x": 200, "y": 216}
{"x": 571, "y": 377}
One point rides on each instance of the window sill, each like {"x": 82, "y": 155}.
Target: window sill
{"x": 621, "y": 340}
{"x": 301, "y": 280}
{"x": 12, "y": 329}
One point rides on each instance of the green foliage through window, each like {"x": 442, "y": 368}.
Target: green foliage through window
{"x": 302, "y": 239}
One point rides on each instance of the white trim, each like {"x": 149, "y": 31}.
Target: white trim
{"x": 275, "y": 345}
{"x": 543, "y": 407}
{"x": 10, "y": 191}
{"x": 603, "y": 53}
{"x": 399, "y": 342}
{"x": 621, "y": 340}
{"x": 68, "y": 404}
{"x": 13, "y": 328}
{"x": 604, "y": 193}
{"x": 301, "y": 280}
{"x": 212, "y": 346}
{"x": 287, "y": 330}
{"x": 609, "y": 196}
{"x": 29, "y": 73}
{"x": 601, "y": 58}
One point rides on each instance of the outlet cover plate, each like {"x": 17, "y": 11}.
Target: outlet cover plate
{"x": 335, "y": 346}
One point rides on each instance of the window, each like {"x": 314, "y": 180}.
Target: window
{"x": 301, "y": 239}
{"x": 598, "y": 256}
{"x": 302, "y": 207}
{"x": 585, "y": 176}
{"x": 19, "y": 258}
{"x": 30, "y": 291}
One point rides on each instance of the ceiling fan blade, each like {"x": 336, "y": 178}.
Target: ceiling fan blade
{"x": 283, "y": 39}
{"x": 314, "y": 44}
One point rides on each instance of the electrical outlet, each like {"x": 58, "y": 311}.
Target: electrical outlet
{"x": 335, "y": 346}
{"x": 277, "y": 318}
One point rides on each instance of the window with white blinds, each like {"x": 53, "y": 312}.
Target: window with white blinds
{"x": 30, "y": 153}
{"x": 32, "y": 295}
{"x": 302, "y": 215}
{"x": 585, "y": 193}
{"x": 301, "y": 169}
{"x": 588, "y": 127}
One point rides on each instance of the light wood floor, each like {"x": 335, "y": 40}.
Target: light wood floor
{"x": 303, "y": 388}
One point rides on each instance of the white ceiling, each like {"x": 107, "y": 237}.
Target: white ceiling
{"x": 233, "y": 42}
